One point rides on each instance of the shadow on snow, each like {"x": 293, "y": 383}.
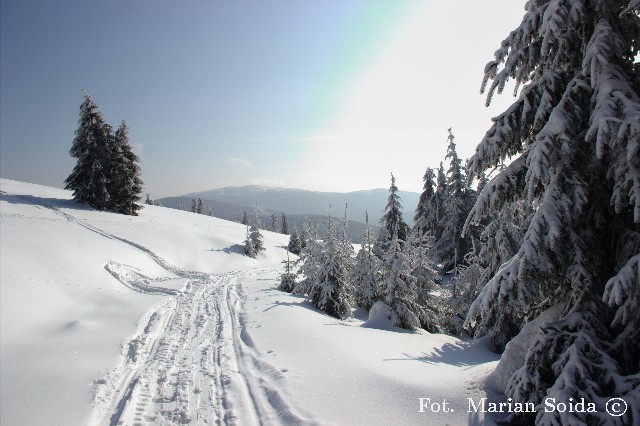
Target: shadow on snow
{"x": 462, "y": 354}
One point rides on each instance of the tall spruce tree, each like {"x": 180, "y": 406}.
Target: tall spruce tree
{"x": 573, "y": 137}
{"x": 449, "y": 247}
{"x": 427, "y": 277}
{"x": 92, "y": 147}
{"x": 126, "y": 184}
{"x": 365, "y": 275}
{"x": 310, "y": 253}
{"x": 439, "y": 200}
{"x": 391, "y": 221}
{"x": 295, "y": 244}
{"x": 399, "y": 288}
{"x": 426, "y": 215}
{"x": 249, "y": 247}
{"x": 256, "y": 237}
{"x": 331, "y": 290}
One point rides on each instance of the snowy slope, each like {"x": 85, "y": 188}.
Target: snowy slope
{"x": 160, "y": 319}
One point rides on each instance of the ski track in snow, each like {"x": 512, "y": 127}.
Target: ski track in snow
{"x": 191, "y": 360}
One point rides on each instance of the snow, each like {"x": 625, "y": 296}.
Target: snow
{"x": 161, "y": 319}
{"x": 515, "y": 351}
{"x": 380, "y": 316}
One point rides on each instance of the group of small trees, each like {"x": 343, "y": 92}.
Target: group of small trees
{"x": 284, "y": 228}
{"x": 106, "y": 175}
{"x": 393, "y": 269}
{"x": 298, "y": 240}
{"x": 325, "y": 267}
{"x": 440, "y": 217}
{"x": 197, "y": 206}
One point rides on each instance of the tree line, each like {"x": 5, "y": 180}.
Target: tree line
{"x": 401, "y": 266}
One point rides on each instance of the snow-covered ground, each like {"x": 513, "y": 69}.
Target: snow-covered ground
{"x": 160, "y": 319}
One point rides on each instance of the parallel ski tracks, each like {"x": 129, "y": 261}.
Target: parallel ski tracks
{"x": 189, "y": 364}
{"x": 191, "y": 359}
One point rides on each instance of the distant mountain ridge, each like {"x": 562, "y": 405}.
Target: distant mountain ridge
{"x": 298, "y": 205}
{"x": 301, "y": 201}
{"x": 235, "y": 213}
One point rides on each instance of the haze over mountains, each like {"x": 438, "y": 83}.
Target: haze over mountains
{"x": 231, "y": 203}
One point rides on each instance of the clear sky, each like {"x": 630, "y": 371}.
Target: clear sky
{"x": 328, "y": 95}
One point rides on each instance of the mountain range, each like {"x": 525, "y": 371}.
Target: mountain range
{"x": 298, "y": 204}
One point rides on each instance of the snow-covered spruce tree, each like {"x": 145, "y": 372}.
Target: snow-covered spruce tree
{"x": 382, "y": 244}
{"x": 126, "y": 184}
{"x": 194, "y": 205}
{"x": 425, "y": 218}
{"x": 498, "y": 242}
{"x": 331, "y": 290}
{"x": 365, "y": 274}
{"x": 285, "y": 225}
{"x": 465, "y": 284}
{"x": 89, "y": 179}
{"x": 307, "y": 233}
{"x": 288, "y": 278}
{"x": 249, "y": 248}
{"x": 245, "y": 219}
{"x": 450, "y": 246}
{"x": 426, "y": 276}
{"x": 574, "y": 138}
{"x": 287, "y": 282}
{"x": 295, "y": 245}
{"x": 392, "y": 220}
{"x": 439, "y": 201}
{"x": 471, "y": 234}
{"x": 200, "y": 206}
{"x": 310, "y": 253}
{"x": 399, "y": 288}
{"x": 255, "y": 235}
{"x": 274, "y": 222}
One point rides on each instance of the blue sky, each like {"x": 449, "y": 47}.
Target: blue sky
{"x": 326, "y": 95}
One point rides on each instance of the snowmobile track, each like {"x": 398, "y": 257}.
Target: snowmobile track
{"x": 190, "y": 364}
{"x": 191, "y": 359}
